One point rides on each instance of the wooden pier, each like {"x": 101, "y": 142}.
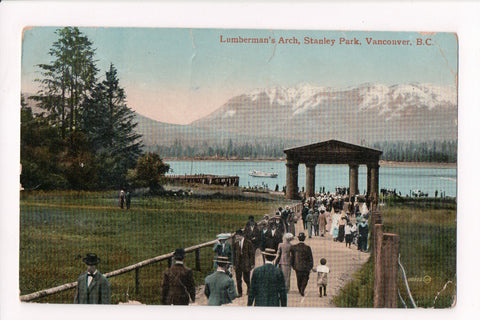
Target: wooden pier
{"x": 208, "y": 179}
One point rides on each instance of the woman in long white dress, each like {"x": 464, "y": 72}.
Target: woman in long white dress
{"x": 335, "y": 223}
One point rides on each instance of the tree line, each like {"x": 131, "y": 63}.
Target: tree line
{"x": 401, "y": 151}
{"x": 227, "y": 150}
{"x": 84, "y": 136}
{"x": 424, "y": 151}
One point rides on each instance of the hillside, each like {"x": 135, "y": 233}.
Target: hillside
{"x": 305, "y": 114}
{"x": 370, "y": 112}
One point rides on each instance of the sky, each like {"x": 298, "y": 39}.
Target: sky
{"x": 181, "y": 75}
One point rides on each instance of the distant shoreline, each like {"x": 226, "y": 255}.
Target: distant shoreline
{"x": 382, "y": 163}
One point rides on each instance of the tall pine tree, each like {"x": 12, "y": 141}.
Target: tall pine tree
{"x": 68, "y": 80}
{"x": 110, "y": 125}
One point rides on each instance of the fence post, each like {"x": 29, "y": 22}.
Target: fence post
{"x": 390, "y": 249}
{"x": 137, "y": 281}
{"x": 197, "y": 260}
{"x": 378, "y": 301}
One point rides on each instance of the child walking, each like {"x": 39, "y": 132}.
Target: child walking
{"x": 348, "y": 235}
{"x": 322, "y": 275}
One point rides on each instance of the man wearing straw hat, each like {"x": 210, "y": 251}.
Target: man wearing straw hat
{"x": 267, "y": 288}
{"x": 219, "y": 287}
{"x": 222, "y": 247}
{"x": 92, "y": 286}
{"x": 178, "y": 284}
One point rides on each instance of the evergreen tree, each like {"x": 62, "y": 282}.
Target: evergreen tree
{"x": 110, "y": 126}
{"x": 68, "y": 80}
{"x": 40, "y": 148}
{"x": 150, "y": 171}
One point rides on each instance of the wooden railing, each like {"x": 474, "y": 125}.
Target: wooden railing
{"x": 296, "y": 208}
{"x": 134, "y": 267}
{"x": 385, "y": 249}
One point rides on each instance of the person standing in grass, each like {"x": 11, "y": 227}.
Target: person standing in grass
{"x": 128, "y": 199}
{"x": 322, "y": 277}
{"x": 220, "y": 287}
{"x": 178, "y": 285}
{"x": 92, "y": 286}
{"x": 121, "y": 200}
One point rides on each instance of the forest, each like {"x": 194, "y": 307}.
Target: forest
{"x": 84, "y": 136}
{"x": 400, "y": 151}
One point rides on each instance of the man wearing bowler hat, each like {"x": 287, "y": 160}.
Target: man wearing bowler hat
{"x": 243, "y": 260}
{"x": 302, "y": 262}
{"x": 267, "y": 288}
{"x": 92, "y": 286}
{"x": 178, "y": 284}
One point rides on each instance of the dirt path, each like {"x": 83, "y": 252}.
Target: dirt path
{"x": 342, "y": 261}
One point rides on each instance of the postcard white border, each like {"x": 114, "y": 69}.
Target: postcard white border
{"x": 447, "y": 16}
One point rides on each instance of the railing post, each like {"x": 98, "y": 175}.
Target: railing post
{"x": 137, "y": 281}
{"x": 197, "y": 260}
{"x": 390, "y": 249}
{"x": 378, "y": 268}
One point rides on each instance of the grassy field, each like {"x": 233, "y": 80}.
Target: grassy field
{"x": 427, "y": 229}
{"x": 59, "y": 228}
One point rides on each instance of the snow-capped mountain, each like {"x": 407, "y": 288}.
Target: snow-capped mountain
{"x": 369, "y": 112}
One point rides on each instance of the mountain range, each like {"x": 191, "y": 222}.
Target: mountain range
{"x": 304, "y": 114}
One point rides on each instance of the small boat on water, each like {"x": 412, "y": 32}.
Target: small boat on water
{"x": 256, "y": 173}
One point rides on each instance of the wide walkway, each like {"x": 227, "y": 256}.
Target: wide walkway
{"x": 342, "y": 261}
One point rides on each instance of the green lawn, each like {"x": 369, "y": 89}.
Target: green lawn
{"x": 57, "y": 229}
{"x": 427, "y": 230}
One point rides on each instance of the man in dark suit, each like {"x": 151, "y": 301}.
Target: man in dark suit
{"x": 252, "y": 232}
{"x": 92, "y": 286}
{"x": 304, "y": 216}
{"x": 302, "y": 262}
{"x": 268, "y": 284}
{"x": 178, "y": 284}
{"x": 243, "y": 260}
{"x": 220, "y": 287}
{"x": 273, "y": 236}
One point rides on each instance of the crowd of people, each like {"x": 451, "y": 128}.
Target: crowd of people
{"x": 346, "y": 217}
{"x": 343, "y": 217}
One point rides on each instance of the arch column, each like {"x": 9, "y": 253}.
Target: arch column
{"x": 310, "y": 179}
{"x": 292, "y": 180}
{"x": 353, "y": 179}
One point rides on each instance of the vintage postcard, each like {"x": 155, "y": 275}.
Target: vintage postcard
{"x": 238, "y": 167}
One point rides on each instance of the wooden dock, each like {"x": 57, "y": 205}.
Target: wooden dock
{"x": 208, "y": 179}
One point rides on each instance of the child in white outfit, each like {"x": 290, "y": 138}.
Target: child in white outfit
{"x": 322, "y": 277}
